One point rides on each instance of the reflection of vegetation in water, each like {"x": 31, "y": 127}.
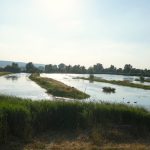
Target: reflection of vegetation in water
{"x": 11, "y": 77}
{"x": 58, "y": 88}
{"x": 22, "y": 118}
{"x": 128, "y": 79}
{"x": 142, "y": 79}
{"x": 109, "y": 90}
{"x": 91, "y": 77}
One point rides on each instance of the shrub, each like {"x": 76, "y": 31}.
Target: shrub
{"x": 109, "y": 90}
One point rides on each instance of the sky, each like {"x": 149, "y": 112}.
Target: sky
{"x": 82, "y": 32}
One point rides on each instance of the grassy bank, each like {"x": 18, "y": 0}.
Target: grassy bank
{"x": 57, "y": 88}
{"x": 122, "y": 83}
{"x": 23, "y": 119}
{"x": 4, "y": 73}
{"x": 145, "y": 80}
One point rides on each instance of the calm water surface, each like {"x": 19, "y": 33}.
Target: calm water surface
{"x": 133, "y": 96}
{"x": 21, "y": 86}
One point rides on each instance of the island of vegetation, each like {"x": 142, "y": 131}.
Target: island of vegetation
{"x": 109, "y": 90}
{"x": 23, "y": 121}
{"x": 122, "y": 83}
{"x": 57, "y": 88}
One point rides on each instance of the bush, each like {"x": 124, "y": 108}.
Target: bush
{"x": 109, "y": 90}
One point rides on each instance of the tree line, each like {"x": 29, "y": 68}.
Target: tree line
{"x": 62, "y": 68}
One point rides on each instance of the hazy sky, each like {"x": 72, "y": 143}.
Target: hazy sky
{"x": 76, "y": 31}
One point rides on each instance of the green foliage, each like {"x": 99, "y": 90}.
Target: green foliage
{"x": 62, "y": 68}
{"x": 57, "y": 88}
{"x": 30, "y": 68}
{"x": 96, "y": 69}
{"x": 109, "y": 90}
{"x": 13, "y": 68}
{"x": 23, "y": 118}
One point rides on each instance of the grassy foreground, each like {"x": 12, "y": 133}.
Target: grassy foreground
{"x": 58, "y": 88}
{"x": 101, "y": 122}
{"x": 122, "y": 83}
{"x": 4, "y": 73}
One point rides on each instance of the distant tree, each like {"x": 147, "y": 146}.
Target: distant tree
{"x": 41, "y": 68}
{"x": 127, "y": 69}
{"x": 90, "y": 70}
{"x": 98, "y": 68}
{"x": 119, "y": 71}
{"x": 30, "y": 68}
{"x": 55, "y": 68}
{"x": 69, "y": 69}
{"x": 49, "y": 68}
{"x": 112, "y": 69}
{"x": 1, "y": 69}
{"x": 62, "y": 68}
{"x": 83, "y": 69}
{"x": 13, "y": 68}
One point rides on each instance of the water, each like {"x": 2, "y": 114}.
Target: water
{"x": 21, "y": 86}
{"x": 133, "y": 96}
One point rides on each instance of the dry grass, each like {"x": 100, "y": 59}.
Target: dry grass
{"x": 77, "y": 141}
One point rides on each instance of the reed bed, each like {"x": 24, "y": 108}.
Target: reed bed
{"x": 24, "y": 118}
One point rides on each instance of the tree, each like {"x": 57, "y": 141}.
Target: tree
{"x": 90, "y": 70}
{"x": 127, "y": 69}
{"x": 13, "y": 68}
{"x": 119, "y": 71}
{"x": 62, "y": 68}
{"x": 98, "y": 68}
{"x": 112, "y": 69}
{"x": 49, "y": 68}
{"x": 30, "y": 68}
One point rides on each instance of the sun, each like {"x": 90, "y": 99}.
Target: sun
{"x": 56, "y": 8}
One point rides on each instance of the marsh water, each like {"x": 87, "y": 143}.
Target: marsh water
{"x": 20, "y": 85}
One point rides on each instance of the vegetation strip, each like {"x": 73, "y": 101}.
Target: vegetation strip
{"x": 57, "y": 88}
{"x": 4, "y": 73}
{"x": 122, "y": 83}
{"x": 23, "y": 118}
{"x": 144, "y": 80}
